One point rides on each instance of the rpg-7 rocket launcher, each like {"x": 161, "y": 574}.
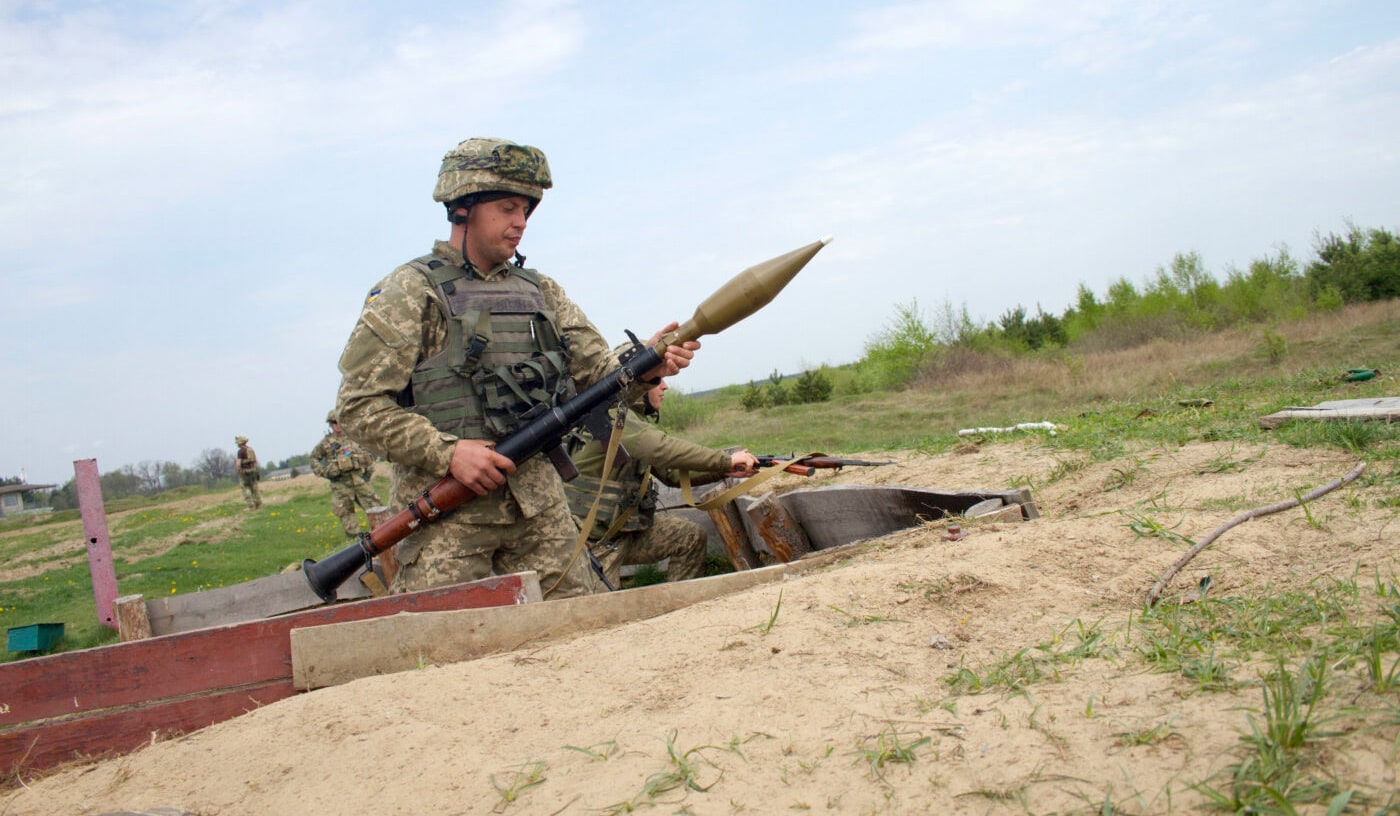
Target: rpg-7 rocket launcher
{"x": 743, "y": 295}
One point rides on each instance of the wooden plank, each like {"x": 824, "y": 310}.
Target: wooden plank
{"x": 133, "y": 621}
{"x": 777, "y": 529}
{"x": 111, "y": 698}
{"x": 188, "y": 663}
{"x": 121, "y": 730}
{"x": 730, "y": 526}
{"x": 331, "y": 655}
{"x": 1009, "y": 513}
{"x": 248, "y": 601}
{"x": 1374, "y": 409}
{"x": 99, "y": 541}
{"x": 985, "y": 507}
{"x": 841, "y": 514}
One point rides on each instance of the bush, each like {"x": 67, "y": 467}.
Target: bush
{"x": 812, "y": 386}
{"x": 895, "y": 356}
{"x": 754, "y": 397}
{"x": 776, "y": 392}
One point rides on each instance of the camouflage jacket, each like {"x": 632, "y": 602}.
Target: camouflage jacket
{"x": 402, "y": 323}
{"x": 652, "y": 454}
{"x": 247, "y": 460}
{"x": 337, "y": 457}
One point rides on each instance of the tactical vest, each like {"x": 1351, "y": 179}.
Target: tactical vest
{"x": 633, "y": 492}
{"x": 503, "y": 359}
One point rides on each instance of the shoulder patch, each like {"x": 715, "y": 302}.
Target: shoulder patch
{"x": 372, "y": 295}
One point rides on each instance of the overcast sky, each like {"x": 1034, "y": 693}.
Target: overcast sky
{"x": 195, "y": 196}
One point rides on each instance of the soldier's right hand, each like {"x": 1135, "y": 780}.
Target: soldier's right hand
{"x": 742, "y": 464}
{"x": 477, "y": 465}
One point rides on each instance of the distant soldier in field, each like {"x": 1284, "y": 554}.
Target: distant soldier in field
{"x": 248, "y": 473}
{"x": 626, "y": 527}
{"x": 349, "y": 469}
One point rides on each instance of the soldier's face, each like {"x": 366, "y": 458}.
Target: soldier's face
{"x": 494, "y": 230}
{"x": 657, "y": 394}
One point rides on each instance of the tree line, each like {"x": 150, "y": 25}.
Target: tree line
{"x": 1179, "y": 299}
{"x": 214, "y": 468}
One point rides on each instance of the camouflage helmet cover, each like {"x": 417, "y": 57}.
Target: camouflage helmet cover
{"x": 240, "y": 440}
{"x": 492, "y": 165}
{"x": 330, "y": 416}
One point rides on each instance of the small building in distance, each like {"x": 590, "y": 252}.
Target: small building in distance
{"x": 12, "y": 497}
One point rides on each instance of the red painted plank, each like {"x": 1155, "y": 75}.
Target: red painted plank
{"x": 204, "y": 659}
{"x": 39, "y": 747}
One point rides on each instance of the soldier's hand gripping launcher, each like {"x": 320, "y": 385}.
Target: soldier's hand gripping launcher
{"x": 743, "y": 295}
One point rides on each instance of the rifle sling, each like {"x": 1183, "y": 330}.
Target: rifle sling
{"x": 614, "y": 442}
{"x": 742, "y": 487}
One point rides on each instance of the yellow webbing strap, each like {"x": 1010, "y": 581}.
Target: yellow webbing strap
{"x": 371, "y": 581}
{"x": 614, "y": 442}
{"x": 627, "y": 512}
{"x": 740, "y": 488}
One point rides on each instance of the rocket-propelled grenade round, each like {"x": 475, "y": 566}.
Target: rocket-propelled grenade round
{"x": 744, "y": 294}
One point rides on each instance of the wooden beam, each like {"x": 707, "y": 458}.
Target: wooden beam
{"x": 88, "y": 485}
{"x": 118, "y": 731}
{"x": 730, "y": 526}
{"x": 331, "y": 655}
{"x": 50, "y": 691}
{"x": 777, "y": 529}
{"x": 133, "y": 622}
{"x": 248, "y": 601}
{"x": 841, "y": 514}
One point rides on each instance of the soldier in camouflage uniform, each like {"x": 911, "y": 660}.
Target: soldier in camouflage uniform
{"x": 349, "y": 469}
{"x": 626, "y": 528}
{"x": 448, "y": 351}
{"x": 248, "y": 473}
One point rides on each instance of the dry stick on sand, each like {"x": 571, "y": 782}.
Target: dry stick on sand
{"x": 1156, "y": 592}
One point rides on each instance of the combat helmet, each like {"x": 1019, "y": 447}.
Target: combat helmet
{"x": 240, "y": 440}
{"x": 330, "y": 417}
{"x": 480, "y": 169}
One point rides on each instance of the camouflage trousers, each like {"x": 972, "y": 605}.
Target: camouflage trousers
{"x": 681, "y": 540}
{"x": 348, "y": 491}
{"x": 453, "y": 550}
{"x": 249, "y": 484}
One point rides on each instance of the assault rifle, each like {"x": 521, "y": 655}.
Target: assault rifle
{"x": 805, "y": 465}
{"x": 546, "y": 427}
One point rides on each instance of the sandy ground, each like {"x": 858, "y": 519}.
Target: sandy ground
{"x": 782, "y": 713}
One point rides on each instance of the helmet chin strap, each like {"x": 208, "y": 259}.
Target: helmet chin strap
{"x": 465, "y": 205}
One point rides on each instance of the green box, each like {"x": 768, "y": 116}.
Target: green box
{"x": 36, "y": 637}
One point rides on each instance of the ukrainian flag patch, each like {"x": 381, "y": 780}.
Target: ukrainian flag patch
{"x": 372, "y": 295}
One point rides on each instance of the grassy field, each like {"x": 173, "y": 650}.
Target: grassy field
{"x": 187, "y": 542}
{"x": 1131, "y": 394}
